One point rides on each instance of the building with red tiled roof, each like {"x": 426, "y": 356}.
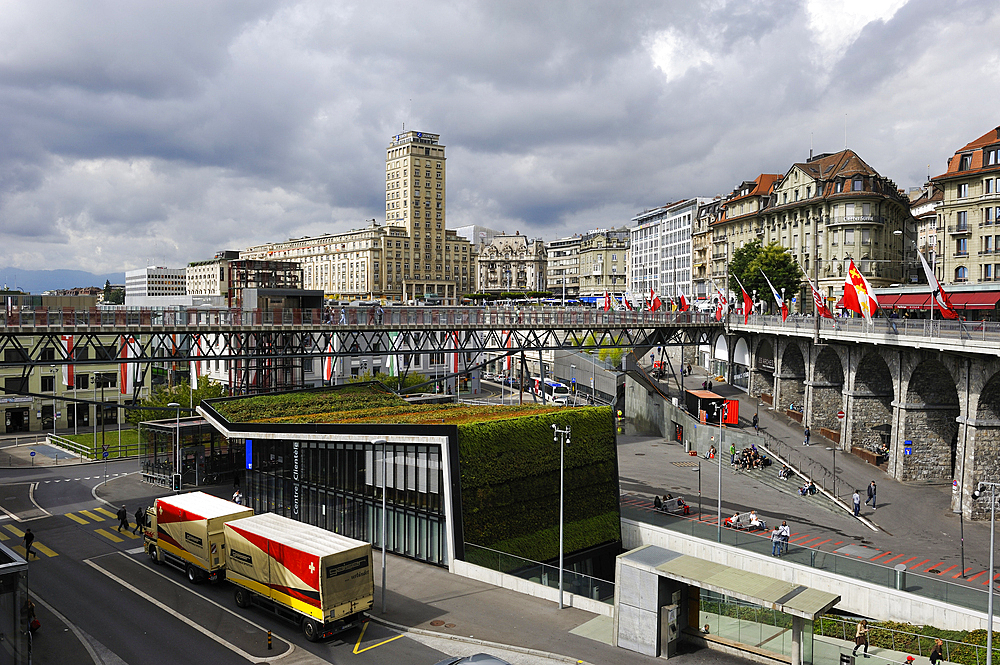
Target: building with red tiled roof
{"x": 967, "y": 217}
{"x": 837, "y": 207}
{"x": 741, "y": 216}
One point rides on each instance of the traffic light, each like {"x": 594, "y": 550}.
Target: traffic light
{"x": 176, "y": 482}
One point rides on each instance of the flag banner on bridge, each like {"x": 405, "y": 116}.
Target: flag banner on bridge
{"x": 942, "y": 299}
{"x": 328, "y": 362}
{"x": 69, "y": 369}
{"x": 747, "y": 303}
{"x": 195, "y": 367}
{"x": 684, "y": 304}
{"x": 128, "y": 371}
{"x": 654, "y": 301}
{"x": 858, "y": 294}
{"x": 821, "y": 307}
{"x": 778, "y": 299}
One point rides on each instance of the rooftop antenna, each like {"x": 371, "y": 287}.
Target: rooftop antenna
{"x": 810, "y": 145}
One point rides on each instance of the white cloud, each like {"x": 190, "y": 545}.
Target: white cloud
{"x": 674, "y": 53}
{"x": 837, "y": 24}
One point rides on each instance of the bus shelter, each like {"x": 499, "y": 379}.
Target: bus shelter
{"x": 662, "y": 597}
{"x": 206, "y": 457}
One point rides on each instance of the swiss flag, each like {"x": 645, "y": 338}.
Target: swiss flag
{"x": 607, "y": 301}
{"x": 684, "y": 304}
{"x": 747, "y": 305}
{"x": 654, "y": 301}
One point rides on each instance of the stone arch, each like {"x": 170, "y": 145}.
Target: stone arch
{"x": 986, "y": 460}
{"x": 762, "y": 385}
{"x": 827, "y": 388}
{"x": 928, "y": 419}
{"x": 790, "y": 377}
{"x": 870, "y": 403}
{"x": 740, "y": 376}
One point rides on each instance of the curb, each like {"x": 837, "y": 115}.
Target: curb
{"x": 472, "y": 640}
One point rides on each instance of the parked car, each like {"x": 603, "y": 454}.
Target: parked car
{"x": 512, "y": 382}
{"x": 475, "y": 659}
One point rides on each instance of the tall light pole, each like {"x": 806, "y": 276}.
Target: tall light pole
{"x": 177, "y": 448}
{"x": 562, "y": 434}
{"x": 989, "y": 604}
{"x": 834, "y": 449}
{"x": 383, "y": 443}
{"x": 720, "y": 410}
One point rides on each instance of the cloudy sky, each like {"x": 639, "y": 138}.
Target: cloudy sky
{"x": 137, "y": 133}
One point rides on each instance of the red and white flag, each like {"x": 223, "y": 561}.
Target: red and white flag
{"x": 684, "y": 304}
{"x": 69, "y": 369}
{"x": 821, "y": 307}
{"x": 778, "y": 299}
{"x": 942, "y": 299}
{"x": 127, "y": 372}
{"x": 858, "y": 294}
{"x": 722, "y": 304}
{"x": 607, "y": 301}
{"x": 328, "y": 361}
{"x": 654, "y": 301}
{"x": 747, "y": 302}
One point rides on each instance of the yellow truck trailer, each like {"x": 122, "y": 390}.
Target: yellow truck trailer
{"x": 314, "y": 577}
{"x": 186, "y": 531}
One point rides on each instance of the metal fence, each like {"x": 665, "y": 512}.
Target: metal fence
{"x": 901, "y": 640}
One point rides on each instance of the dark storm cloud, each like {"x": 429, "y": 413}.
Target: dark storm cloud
{"x": 168, "y": 131}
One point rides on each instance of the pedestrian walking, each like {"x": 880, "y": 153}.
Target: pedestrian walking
{"x": 343, "y": 316}
{"x": 936, "y": 653}
{"x": 785, "y": 532}
{"x": 756, "y": 422}
{"x": 29, "y": 538}
{"x": 704, "y": 385}
{"x": 776, "y": 542}
{"x": 871, "y": 495}
{"x": 861, "y": 637}
{"x": 857, "y": 503}
{"x": 140, "y": 518}
{"x": 732, "y": 454}
{"x": 807, "y": 434}
{"x": 238, "y": 497}
{"x": 709, "y": 385}
{"x": 122, "y": 519}
{"x": 381, "y": 314}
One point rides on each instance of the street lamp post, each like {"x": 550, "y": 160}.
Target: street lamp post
{"x": 720, "y": 410}
{"x": 834, "y": 449}
{"x": 989, "y": 603}
{"x": 562, "y": 434}
{"x": 383, "y": 443}
{"x": 177, "y": 446}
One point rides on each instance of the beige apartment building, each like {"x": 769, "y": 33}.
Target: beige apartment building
{"x": 411, "y": 257}
{"x": 967, "y": 216}
{"x": 604, "y": 262}
{"x": 701, "y": 247}
{"x": 738, "y": 222}
{"x": 563, "y": 267}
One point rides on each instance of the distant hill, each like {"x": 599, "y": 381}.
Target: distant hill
{"x": 37, "y": 281}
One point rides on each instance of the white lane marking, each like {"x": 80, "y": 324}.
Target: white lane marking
{"x": 31, "y": 495}
{"x": 72, "y": 626}
{"x": 181, "y": 617}
{"x": 135, "y": 550}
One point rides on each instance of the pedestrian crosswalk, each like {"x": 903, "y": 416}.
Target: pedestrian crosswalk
{"x": 70, "y": 480}
{"x": 36, "y": 547}
{"x": 100, "y": 515}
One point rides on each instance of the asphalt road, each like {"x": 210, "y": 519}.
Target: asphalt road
{"x": 123, "y": 608}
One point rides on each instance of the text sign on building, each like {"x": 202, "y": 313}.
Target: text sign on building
{"x": 907, "y": 447}
{"x": 249, "y": 449}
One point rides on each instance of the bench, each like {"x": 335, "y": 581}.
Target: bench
{"x": 742, "y": 523}
{"x": 872, "y": 458}
{"x": 671, "y": 507}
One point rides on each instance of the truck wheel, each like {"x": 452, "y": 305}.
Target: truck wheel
{"x": 310, "y": 629}
{"x": 242, "y": 597}
{"x": 192, "y": 574}
{"x": 152, "y": 554}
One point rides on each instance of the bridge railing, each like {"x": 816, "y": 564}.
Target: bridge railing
{"x": 968, "y": 331}
{"x": 140, "y": 319}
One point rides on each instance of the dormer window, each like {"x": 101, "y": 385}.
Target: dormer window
{"x": 857, "y": 184}
{"x": 965, "y": 163}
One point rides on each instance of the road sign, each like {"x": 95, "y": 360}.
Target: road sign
{"x": 32, "y": 453}
{"x": 907, "y": 447}
{"x": 104, "y": 454}
{"x": 841, "y": 415}
{"x": 104, "y": 448}
{"x": 572, "y": 380}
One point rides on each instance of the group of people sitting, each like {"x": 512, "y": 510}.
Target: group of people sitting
{"x": 751, "y": 458}
{"x": 808, "y": 488}
{"x": 669, "y": 501}
{"x": 785, "y": 472}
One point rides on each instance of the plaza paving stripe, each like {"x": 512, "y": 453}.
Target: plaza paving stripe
{"x": 110, "y": 536}
{"x": 77, "y": 518}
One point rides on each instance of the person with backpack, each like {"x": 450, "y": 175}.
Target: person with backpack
{"x": 807, "y": 434}
{"x": 122, "y": 519}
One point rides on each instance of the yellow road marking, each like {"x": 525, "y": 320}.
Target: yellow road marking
{"x": 14, "y": 530}
{"x": 44, "y": 550}
{"x": 96, "y": 518}
{"x": 77, "y": 518}
{"x": 363, "y": 629}
{"x": 131, "y": 535}
{"x": 105, "y": 511}
{"x": 3, "y": 536}
{"x": 110, "y": 536}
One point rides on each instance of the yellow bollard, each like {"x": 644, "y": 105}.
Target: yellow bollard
{"x": 268, "y": 640}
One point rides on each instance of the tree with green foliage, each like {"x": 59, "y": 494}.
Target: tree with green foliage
{"x": 776, "y": 262}
{"x": 740, "y": 261}
{"x": 181, "y": 394}
{"x": 113, "y": 296}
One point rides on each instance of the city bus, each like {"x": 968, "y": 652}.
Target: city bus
{"x": 553, "y": 390}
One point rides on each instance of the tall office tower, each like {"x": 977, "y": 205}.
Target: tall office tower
{"x": 415, "y": 182}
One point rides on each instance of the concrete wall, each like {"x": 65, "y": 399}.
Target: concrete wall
{"x": 859, "y": 597}
{"x": 520, "y": 585}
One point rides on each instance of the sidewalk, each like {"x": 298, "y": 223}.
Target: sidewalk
{"x": 915, "y": 522}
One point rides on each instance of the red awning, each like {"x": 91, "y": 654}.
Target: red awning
{"x": 912, "y": 301}
{"x": 986, "y": 300}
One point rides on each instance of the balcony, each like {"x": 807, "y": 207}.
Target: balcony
{"x": 958, "y": 228}
{"x": 960, "y": 254}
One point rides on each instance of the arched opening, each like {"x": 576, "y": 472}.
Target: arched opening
{"x": 985, "y": 442}
{"x": 720, "y": 358}
{"x": 791, "y": 376}
{"x": 827, "y": 390}
{"x": 929, "y": 422}
{"x": 871, "y": 411}
{"x": 741, "y": 364}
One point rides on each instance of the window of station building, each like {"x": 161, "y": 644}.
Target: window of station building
{"x": 848, "y": 236}
{"x": 962, "y": 190}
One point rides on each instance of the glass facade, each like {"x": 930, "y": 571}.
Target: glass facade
{"x": 337, "y": 485}
{"x": 206, "y": 456}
